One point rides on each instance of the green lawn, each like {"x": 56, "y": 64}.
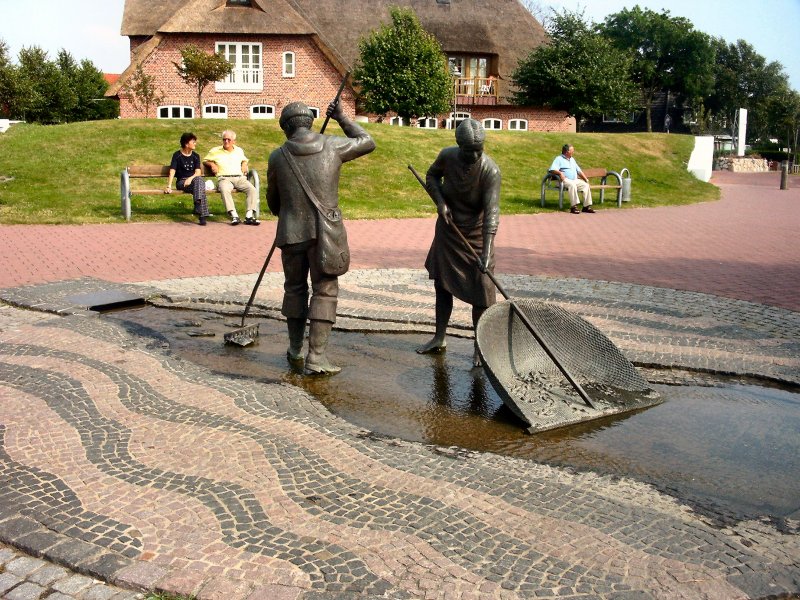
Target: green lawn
{"x": 70, "y": 173}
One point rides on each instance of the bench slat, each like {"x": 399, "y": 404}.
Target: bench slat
{"x": 158, "y": 171}
{"x": 148, "y": 170}
{"x": 594, "y": 172}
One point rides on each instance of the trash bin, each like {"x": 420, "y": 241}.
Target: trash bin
{"x": 626, "y": 185}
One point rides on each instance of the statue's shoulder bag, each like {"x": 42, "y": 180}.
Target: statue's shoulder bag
{"x": 333, "y": 253}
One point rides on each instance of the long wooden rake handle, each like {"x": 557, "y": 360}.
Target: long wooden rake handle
{"x": 523, "y": 317}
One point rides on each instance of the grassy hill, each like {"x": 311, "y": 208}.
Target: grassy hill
{"x": 70, "y": 173}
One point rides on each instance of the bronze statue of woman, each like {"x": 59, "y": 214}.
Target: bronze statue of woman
{"x": 465, "y": 184}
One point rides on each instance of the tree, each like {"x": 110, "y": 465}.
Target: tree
{"x": 45, "y": 91}
{"x": 12, "y": 99}
{"x": 89, "y": 86}
{"x": 540, "y": 11}
{"x": 199, "y": 68}
{"x": 51, "y": 99}
{"x": 784, "y": 113}
{"x": 579, "y": 72}
{"x": 141, "y": 89}
{"x": 402, "y": 69}
{"x": 668, "y": 54}
{"x": 744, "y": 79}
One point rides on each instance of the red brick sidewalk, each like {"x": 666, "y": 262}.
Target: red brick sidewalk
{"x": 746, "y": 246}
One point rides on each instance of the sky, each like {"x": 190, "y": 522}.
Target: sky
{"x": 90, "y": 28}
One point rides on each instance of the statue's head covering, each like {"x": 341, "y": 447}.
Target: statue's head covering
{"x": 470, "y": 131}
{"x": 295, "y": 109}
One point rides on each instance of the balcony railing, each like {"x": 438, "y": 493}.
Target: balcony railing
{"x": 476, "y": 90}
{"x": 241, "y": 80}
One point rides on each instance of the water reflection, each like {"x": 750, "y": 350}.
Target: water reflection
{"x": 735, "y": 446}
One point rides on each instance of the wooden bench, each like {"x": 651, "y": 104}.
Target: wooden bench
{"x": 161, "y": 173}
{"x": 553, "y": 182}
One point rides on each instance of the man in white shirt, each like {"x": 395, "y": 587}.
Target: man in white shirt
{"x": 567, "y": 170}
{"x": 229, "y": 164}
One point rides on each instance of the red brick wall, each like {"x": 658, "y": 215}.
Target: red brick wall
{"x": 315, "y": 83}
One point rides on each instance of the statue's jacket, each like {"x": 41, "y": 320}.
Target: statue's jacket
{"x": 319, "y": 159}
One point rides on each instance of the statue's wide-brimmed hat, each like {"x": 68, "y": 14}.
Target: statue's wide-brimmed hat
{"x": 295, "y": 109}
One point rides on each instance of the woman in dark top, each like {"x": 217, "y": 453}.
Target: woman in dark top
{"x": 465, "y": 183}
{"x": 186, "y": 170}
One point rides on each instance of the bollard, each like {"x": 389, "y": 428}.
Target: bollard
{"x": 626, "y": 185}
{"x": 785, "y": 175}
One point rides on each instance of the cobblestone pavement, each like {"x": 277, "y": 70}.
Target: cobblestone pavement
{"x": 23, "y": 577}
{"x": 142, "y": 471}
{"x": 145, "y": 471}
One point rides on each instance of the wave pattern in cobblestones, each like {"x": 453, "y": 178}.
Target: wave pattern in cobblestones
{"x": 228, "y": 482}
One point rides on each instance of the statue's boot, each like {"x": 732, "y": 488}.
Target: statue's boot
{"x": 297, "y": 332}
{"x": 317, "y": 362}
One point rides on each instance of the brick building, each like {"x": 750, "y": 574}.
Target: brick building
{"x": 287, "y": 50}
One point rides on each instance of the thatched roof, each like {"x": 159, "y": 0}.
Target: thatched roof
{"x": 501, "y": 27}
{"x": 147, "y": 17}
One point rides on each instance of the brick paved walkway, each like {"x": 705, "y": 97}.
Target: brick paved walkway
{"x": 145, "y": 471}
{"x": 745, "y": 246}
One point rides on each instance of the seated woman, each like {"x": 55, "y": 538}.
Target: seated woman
{"x": 186, "y": 170}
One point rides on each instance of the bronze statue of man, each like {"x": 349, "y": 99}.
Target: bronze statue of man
{"x": 465, "y": 183}
{"x": 309, "y": 161}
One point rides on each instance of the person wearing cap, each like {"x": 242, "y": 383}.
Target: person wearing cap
{"x": 465, "y": 184}
{"x": 229, "y": 164}
{"x": 319, "y": 159}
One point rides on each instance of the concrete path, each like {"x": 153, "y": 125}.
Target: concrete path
{"x": 138, "y": 469}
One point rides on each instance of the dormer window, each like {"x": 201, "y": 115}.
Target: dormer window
{"x": 239, "y": 3}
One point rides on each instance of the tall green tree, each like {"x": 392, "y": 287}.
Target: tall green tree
{"x": 51, "y": 98}
{"x": 89, "y": 86}
{"x": 402, "y": 69}
{"x": 784, "y": 117}
{"x": 199, "y": 68}
{"x": 12, "y": 99}
{"x": 668, "y": 54}
{"x": 579, "y": 72}
{"x": 744, "y": 79}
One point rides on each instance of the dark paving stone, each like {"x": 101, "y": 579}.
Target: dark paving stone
{"x": 72, "y": 552}
{"x": 37, "y": 543}
{"x": 106, "y": 566}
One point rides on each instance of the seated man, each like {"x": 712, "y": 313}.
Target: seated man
{"x": 229, "y": 164}
{"x": 567, "y": 170}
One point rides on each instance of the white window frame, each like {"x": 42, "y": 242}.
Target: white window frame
{"x": 269, "y": 113}
{"x": 459, "y": 116}
{"x": 215, "y": 111}
{"x": 289, "y": 59}
{"x": 246, "y": 76}
{"x": 171, "y": 108}
{"x": 425, "y": 123}
{"x": 314, "y": 111}
{"x": 489, "y": 124}
{"x": 398, "y": 121}
{"x": 514, "y": 124}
